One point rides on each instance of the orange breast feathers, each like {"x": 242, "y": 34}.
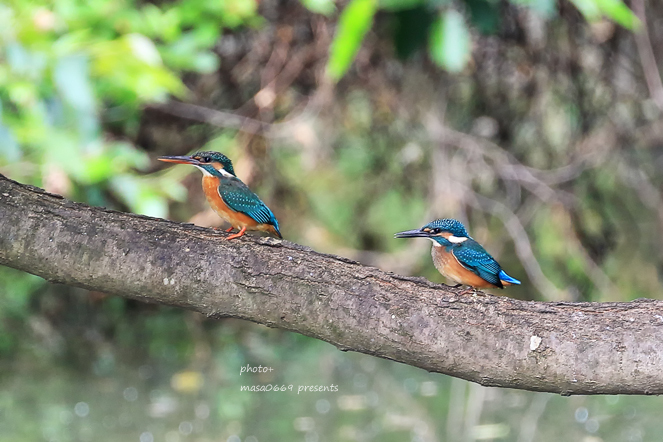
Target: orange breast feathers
{"x": 447, "y": 264}
{"x": 236, "y": 219}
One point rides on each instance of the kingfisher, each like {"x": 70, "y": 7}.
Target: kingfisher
{"x": 229, "y": 197}
{"x": 460, "y": 258}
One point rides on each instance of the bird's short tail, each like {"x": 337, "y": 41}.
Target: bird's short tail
{"x": 274, "y": 228}
{"x": 506, "y": 279}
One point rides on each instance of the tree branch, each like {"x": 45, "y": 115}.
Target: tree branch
{"x": 568, "y": 348}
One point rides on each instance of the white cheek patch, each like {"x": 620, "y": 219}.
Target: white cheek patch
{"x": 219, "y": 167}
{"x": 457, "y": 239}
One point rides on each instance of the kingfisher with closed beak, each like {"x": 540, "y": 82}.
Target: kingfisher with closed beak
{"x": 460, "y": 258}
{"x": 229, "y": 197}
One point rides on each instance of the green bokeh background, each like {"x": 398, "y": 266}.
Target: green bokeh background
{"x": 530, "y": 121}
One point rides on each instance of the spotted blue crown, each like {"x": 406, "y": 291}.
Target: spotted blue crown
{"x": 453, "y": 226}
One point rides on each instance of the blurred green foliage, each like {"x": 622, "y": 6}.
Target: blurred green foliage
{"x": 353, "y": 24}
{"x": 449, "y": 42}
{"x": 71, "y": 68}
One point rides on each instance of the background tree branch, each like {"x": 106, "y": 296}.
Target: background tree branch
{"x": 567, "y": 348}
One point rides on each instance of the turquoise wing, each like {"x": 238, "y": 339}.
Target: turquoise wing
{"x": 241, "y": 199}
{"x": 473, "y": 257}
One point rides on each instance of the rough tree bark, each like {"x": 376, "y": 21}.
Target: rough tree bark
{"x": 567, "y": 348}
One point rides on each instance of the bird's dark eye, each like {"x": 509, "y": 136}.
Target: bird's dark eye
{"x": 436, "y": 230}
{"x": 206, "y": 159}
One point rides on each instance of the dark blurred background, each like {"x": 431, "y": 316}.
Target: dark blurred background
{"x": 537, "y": 123}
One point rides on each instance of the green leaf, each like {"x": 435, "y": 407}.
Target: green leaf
{"x": 355, "y": 21}
{"x": 130, "y": 69}
{"x": 619, "y": 12}
{"x": 324, "y": 7}
{"x": 613, "y": 9}
{"x": 450, "y": 41}
{"x": 144, "y": 49}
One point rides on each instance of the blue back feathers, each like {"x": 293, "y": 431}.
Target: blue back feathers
{"x": 240, "y": 198}
{"x": 469, "y": 253}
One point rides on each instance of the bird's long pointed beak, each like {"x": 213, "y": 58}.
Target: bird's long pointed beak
{"x": 416, "y": 233}
{"x": 179, "y": 160}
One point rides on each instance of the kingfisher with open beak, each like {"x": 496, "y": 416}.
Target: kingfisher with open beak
{"x": 229, "y": 197}
{"x": 460, "y": 258}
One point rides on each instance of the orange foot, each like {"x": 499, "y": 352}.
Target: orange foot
{"x": 228, "y": 230}
{"x": 238, "y": 234}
